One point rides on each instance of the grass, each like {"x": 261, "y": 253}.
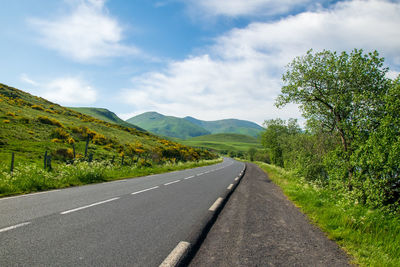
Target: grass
{"x": 370, "y": 236}
{"x": 28, "y": 178}
{"x": 105, "y": 115}
{"x": 224, "y": 142}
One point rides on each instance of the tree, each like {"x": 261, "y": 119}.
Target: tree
{"x": 275, "y": 137}
{"x": 252, "y": 152}
{"x": 343, "y": 94}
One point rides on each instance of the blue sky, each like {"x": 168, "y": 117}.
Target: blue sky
{"x": 210, "y": 59}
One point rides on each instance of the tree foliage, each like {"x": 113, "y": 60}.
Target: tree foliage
{"x": 342, "y": 93}
{"x": 352, "y": 138}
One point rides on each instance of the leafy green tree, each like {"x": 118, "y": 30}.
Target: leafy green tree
{"x": 377, "y": 160}
{"x": 275, "y": 137}
{"x": 339, "y": 93}
{"x": 251, "y": 152}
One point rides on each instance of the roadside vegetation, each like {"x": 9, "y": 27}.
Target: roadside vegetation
{"x": 371, "y": 236}
{"x": 343, "y": 167}
{"x": 27, "y": 178}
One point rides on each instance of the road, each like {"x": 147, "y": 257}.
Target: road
{"x": 259, "y": 226}
{"x": 131, "y": 222}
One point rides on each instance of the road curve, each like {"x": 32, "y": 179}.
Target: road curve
{"x": 131, "y": 222}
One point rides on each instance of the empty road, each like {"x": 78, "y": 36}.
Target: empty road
{"x": 132, "y": 222}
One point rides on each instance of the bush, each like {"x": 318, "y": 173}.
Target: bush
{"x": 60, "y": 133}
{"x": 37, "y": 107}
{"x": 47, "y": 120}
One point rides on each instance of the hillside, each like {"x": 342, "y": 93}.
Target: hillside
{"x": 189, "y": 127}
{"x": 30, "y": 125}
{"x": 167, "y": 125}
{"x": 224, "y": 143}
{"x": 229, "y": 126}
{"x": 105, "y": 115}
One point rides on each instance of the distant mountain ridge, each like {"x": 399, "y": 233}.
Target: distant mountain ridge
{"x": 167, "y": 125}
{"x": 189, "y": 127}
{"x": 228, "y": 126}
{"x": 105, "y": 115}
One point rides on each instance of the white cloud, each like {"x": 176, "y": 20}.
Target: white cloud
{"x": 23, "y": 77}
{"x": 240, "y": 76}
{"x": 88, "y": 33}
{"x": 236, "y": 8}
{"x": 64, "y": 90}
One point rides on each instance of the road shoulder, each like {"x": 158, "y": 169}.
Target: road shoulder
{"x": 259, "y": 226}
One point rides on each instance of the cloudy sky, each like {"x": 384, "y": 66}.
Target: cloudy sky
{"x": 210, "y": 59}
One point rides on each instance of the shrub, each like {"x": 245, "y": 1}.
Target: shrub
{"x": 56, "y": 140}
{"x": 60, "y": 133}
{"x": 24, "y": 120}
{"x": 64, "y": 153}
{"x": 99, "y": 139}
{"x": 37, "y": 107}
{"x": 12, "y": 114}
{"x": 6, "y": 121}
{"x": 50, "y": 121}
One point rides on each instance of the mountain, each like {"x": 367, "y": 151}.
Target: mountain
{"x": 189, "y": 127}
{"x": 31, "y": 126}
{"x": 167, "y": 125}
{"x": 105, "y": 115}
{"x": 229, "y": 126}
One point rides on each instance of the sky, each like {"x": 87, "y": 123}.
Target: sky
{"x": 209, "y": 59}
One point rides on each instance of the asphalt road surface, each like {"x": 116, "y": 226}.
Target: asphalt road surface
{"x": 132, "y": 222}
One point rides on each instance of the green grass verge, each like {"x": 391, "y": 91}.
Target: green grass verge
{"x": 371, "y": 237}
{"x": 28, "y": 178}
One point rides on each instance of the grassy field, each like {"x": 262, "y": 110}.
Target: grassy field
{"x": 224, "y": 142}
{"x": 371, "y": 237}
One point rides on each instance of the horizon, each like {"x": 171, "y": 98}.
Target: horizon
{"x": 211, "y": 59}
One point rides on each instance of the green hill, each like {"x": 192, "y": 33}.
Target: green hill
{"x": 189, "y": 127}
{"x": 30, "y": 125}
{"x": 105, "y": 115}
{"x": 224, "y": 143}
{"x": 167, "y": 125}
{"x": 229, "y": 126}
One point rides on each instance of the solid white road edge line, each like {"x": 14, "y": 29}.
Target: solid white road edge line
{"x": 13, "y": 227}
{"x": 88, "y": 206}
{"x": 216, "y": 204}
{"x": 144, "y": 190}
{"x": 172, "y": 182}
{"x": 230, "y": 187}
{"x": 176, "y": 254}
{"x": 31, "y": 194}
{"x": 190, "y": 177}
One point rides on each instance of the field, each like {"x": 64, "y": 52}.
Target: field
{"x": 223, "y": 143}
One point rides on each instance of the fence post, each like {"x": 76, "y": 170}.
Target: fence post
{"x": 12, "y": 163}
{"x": 122, "y": 160}
{"x": 90, "y": 157}
{"x": 112, "y": 161}
{"x": 49, "y": 162}
{"x": 45, "y": 160}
